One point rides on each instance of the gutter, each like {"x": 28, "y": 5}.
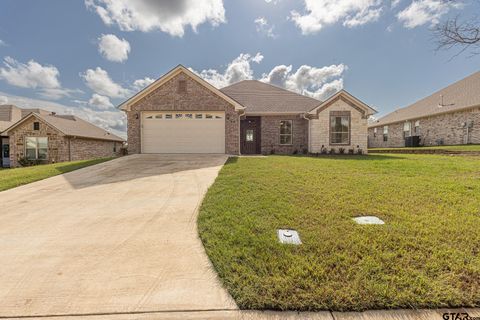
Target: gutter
{"x": 304, "y": 116}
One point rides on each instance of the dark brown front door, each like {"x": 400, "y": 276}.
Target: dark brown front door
{"x": 250, "y": 135}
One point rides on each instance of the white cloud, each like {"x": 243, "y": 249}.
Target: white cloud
{"x": 423, "y": 12}
{"x": 395, "y": 3}
{"x": 351, "y": 13}
{"x": 3, "y": 100}
{"x": 139, "y": 84}
{"x": 170, "y": 16}
{"x": 237, "y": 70}
{"x": 263, "y": 27}
{"x": 2, "y": 43}
{"x": 112, "y": 120}
{"x": 100, "y": 102}
{"x": 113, "y": 48}
{"x": 311, "y": 81}
{"x": 33, "y": 75}
{"x": 100, "y": 82}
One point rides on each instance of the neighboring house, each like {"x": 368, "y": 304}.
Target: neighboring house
{"x": 449, "y": 116}
{"x": 182, "y": 113}
{"x": 38, "y": 135}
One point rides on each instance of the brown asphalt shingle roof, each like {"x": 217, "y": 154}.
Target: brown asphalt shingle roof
{"x": 259, "y": 97}
{"x": 460, "y": 95}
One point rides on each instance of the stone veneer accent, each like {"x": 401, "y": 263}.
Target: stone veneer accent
{"x": 58, "y": 144}
{"x": 447, "y": 127}
{"x": 196, "y": 98}
{"x": 270, "y": 135}
{"x": 320, "y": 129}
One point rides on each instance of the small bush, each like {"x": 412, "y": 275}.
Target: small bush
{"x": 305, "y": 151}
{"x": 24, "y": 162}
{"x": 323, "y": 150}
{"x": 360, "y": 151}
{"x": 272, "y": 151}
{"x": 351, "y": 151}
{"x": 332, "y": 151}
{"x": 341, "y": 150}
{"x": 295, "y": 151}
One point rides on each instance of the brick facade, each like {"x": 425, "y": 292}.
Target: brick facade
{"x": 60, "y": 147}
{"x": 320, "y": 128}
{"x": 448, "y": 128}
{"x": 195, "y": 98}
{"x": 270, "y": 135}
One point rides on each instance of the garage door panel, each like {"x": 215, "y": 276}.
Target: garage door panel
{"x": 164, "y": 133}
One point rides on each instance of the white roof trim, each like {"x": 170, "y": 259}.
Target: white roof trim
{"x": 125, "y": 106}
{"x": 369, "y": 110}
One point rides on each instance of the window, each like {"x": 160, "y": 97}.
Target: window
{"x": 286, "y": 132}
{"x": 149, "y": 117}
{"x": 374, "y": 132}
{"x": 114, "y": 147}
{"x": 208, "y": 116}
{"x": 168, "y": 116}
{"x": 36, "y": 126}
{"x": 188, "y": 116}
{"x": 249, "y": 135}
{"x": 159, "y": 116}
{"x": 416, "y": 129}
{"x": 198, "y": 116}
{"x": 406, "y": 129}
{"x": 178, "y": 116}
{"x": 385, "y": 133}
{"x": 340, "y": 128}
{"x": 182, "y": 86}
{"x": 36, "y": 148}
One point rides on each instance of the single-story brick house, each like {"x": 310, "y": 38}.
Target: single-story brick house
{"x": 182, "y": 113}
{"x": 38, "y": 135}
{"x": 450, "y": 116}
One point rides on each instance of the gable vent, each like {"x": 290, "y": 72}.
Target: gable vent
{"x": 182, "y": 86}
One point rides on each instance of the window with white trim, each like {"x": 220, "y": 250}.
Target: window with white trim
{"x": 339, "y": 129}
{"x": 286, "y": 132}
{"x": 406, "y": 129}
{"x": 385, "y": 133}
{"x": 416, "y": 128}
{"x": 36, "y": 148}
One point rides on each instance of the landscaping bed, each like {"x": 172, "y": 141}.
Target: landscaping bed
{"x": 470, "y": 149}
{"x": 426, "y": 255}
{"x": 11, "y": 178}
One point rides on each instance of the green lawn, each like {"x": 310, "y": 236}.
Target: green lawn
{"x": 426, "y": 255}
{"x": 11, "y": 178}
{"x": 465, "y": 147}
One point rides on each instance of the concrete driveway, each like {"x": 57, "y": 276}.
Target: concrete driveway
{"x": 119, "y": 237}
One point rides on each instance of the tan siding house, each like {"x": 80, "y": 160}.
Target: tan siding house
{"x": 182, "y": 113}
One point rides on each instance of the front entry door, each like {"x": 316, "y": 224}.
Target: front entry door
{"x": 250, "y": 135}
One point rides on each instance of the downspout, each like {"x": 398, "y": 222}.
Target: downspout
{"x": 304, "y": 116}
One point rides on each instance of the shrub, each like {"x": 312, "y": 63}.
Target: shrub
{"x": 24, "y": 162}
{"x": 323, "y": 150}
{"x": 332, "y": 151}
{"x": 295, "y": 151}
{"x": 341, "y": 150}
{"x": 351, "y": 151}
{"x": 272, "y": 151}
{"x": 359, "y": 151}
{"x": 305, "y": 151}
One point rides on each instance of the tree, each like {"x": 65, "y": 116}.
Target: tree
{"x": 455, "y": 33}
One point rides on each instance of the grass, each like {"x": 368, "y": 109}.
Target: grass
{"x": 11, "y": 178}
{"x": 465, "y": 147}
{"x": 426, "y": 255}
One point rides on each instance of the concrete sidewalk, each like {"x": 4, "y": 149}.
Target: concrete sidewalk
{"x": 274, "y": 315}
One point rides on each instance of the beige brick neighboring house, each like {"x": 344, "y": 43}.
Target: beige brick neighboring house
{"x": 450, "y": 116}
{"x": 49, "y": 138}
{"x": 182, "y": 113}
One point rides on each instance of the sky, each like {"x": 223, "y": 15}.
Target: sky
{"x": 85, "y": 57}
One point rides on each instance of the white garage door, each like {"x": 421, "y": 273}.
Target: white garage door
{"x": 183, "y": 132}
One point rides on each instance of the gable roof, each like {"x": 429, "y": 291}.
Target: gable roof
{"x": 169, "y": 75}
{"x": 260, "y": 97}
{"x": 71, "y": 126}
{"x": 10, "y": 114}
{"x": 349, "y": 99}
{"x": 460, "y": 95}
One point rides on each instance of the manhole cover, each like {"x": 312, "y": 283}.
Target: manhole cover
{"x": 288, "y": 236}
{"x": 368, "y": 220}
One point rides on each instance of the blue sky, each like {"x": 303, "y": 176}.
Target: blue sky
{"x": 85, "y": 57}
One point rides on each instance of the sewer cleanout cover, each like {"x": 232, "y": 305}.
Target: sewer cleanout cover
{"x": 368, "y": 220}
{"x": 288, "y": 236}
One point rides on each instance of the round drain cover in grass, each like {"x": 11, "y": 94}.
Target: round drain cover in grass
{"x": 368, "y": 220}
